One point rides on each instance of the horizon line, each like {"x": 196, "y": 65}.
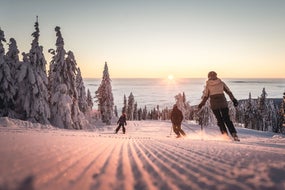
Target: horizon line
{"x": 186, "y": 78}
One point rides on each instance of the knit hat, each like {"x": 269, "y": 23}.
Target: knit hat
{"x": 212, "y": 75}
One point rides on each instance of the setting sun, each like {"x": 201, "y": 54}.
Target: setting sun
{"x": 170, "y": 77}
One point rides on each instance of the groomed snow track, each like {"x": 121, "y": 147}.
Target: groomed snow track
{"x": 142, "y": 159}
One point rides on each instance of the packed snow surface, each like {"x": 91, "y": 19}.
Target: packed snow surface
{"x": 147, "y": 157}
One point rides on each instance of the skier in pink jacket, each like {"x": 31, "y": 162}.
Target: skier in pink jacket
{"x": 214, "y": 90}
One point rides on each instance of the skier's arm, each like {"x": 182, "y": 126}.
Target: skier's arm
{"x": 203, "y": 102}
{"x": 229, "y": 92}
{"x": 204, "y": 98}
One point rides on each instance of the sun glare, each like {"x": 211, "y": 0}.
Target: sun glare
{"x": 170, "y": 77}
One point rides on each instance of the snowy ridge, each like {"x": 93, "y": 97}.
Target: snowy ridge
{"x": 20, "y": 124}
{"x": 147, "y": 157}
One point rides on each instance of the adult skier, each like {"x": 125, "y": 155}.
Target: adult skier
{"x": 176, "y": 119}
{"x": 121, "y": 122}
{"x": 214, "y": 90}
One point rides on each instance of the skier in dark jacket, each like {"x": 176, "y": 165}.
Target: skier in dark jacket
{"x": 214, "y": 90}
{"x": 122, "y": 122}
{"x": 176, "y": 119}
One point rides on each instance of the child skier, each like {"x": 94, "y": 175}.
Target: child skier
{"x": 176, "y": 119}
{"x": 122, "y": 122}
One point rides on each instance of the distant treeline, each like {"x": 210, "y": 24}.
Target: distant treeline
{"x": 265, "y": 114}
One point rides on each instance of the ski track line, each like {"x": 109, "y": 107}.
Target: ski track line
{"x": 238, "y": 169}
{"x": 95, "y": 168}
{"x": 205, "y": 176}
{"x": 167, "y": 169}
{"x": 107, "y": 166}
{"x": 195, "y": 155}
{"x": 120, "y": 175}
{"x": 64, "y": 170}
{"x": 192, "y": 174}
{"x": 159, "y": 179}
{"x": 51, "y": 164}
{"x": 104, "y": 177}
{"x": 143, "y": 178}
{"x": 32, "y": 158}
{"x": 89, "y": 168}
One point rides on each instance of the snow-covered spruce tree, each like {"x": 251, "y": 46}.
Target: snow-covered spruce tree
{"x": 189, "y": 111}
{"x": 12, "y": 57}
{"x": 116, "y": 111}
{"x": 240, "y": 110}
{"x": 165, "y": 114}
{"x": 135, "y": 113}
{"x": 262, "y": 108}
{"x": 281, "y": 125}
{"x": 206, "y": 116}
{"x": 82, "y": 97}
{"x": 23, "y": 94}
{"x": 63, "y": 72}
{"x": 158, "y": 112}
{"x": 283, "y": 114}
{"x": 232, "y": 111}
{"x": 144, "y": 113}
{"x": 265, "y": 109}
{"x": 62, "y": 103}
{"x": 7, "y": 77}
{"x": 78, "y": 118}
{"x": 57, "y": 64}
{"x": 3, "y": 112}
{"x": 124, "y": 109}
{"x": 249, "y": 114}
{"x": 33, "y": 74}
{"x": 89, "y": 100}
{"x": 130, "y": 108}
{"x": 140, "y": 114}
{"x": 154, "y": 113}
{"x": 272, "y": 117}
{"x": 183, "y": 105}
{"x": 105, "y": 98}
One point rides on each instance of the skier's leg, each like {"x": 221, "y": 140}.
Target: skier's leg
{"x": 220, "y": 121}
{"x": 175, "y": 129}
{"x": 181, "y": 131}
{"x": 124, "y": 129}
{"x": 118, "y": 128}
{"x": 227, "y": 120}
{"x": 229, "y": 123}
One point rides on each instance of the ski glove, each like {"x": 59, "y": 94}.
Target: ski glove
{"x": 235, "y": 102}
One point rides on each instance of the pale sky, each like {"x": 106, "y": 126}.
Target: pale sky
{"x": 156, "y": 38}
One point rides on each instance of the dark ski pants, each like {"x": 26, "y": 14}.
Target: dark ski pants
{"x": 177, "y": 130}
{"x": 222, "y": 116}
{"x": 118, "y": 128}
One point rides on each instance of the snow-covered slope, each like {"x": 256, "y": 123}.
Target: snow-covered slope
{"x": 147, "y": 157}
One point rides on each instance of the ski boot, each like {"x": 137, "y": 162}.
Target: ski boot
{"x": 235, "y": 137}
{"x": 178, "y": 136}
